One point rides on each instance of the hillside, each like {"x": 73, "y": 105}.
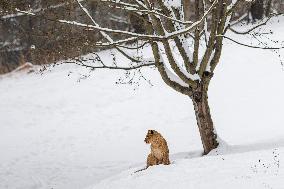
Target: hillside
{"x": 70, "y": 128}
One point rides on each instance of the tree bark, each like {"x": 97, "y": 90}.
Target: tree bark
{"x": 268, "y": 7}
{"x": 186, "y": 9}
{"x": 204, "y": 120}
{"x": 257, "y": 10}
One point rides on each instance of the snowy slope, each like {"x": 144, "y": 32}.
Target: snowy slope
{"x": 62, "y": 132}
{"x": 260, "y": 169}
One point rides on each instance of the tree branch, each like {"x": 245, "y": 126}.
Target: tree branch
{"x": 251, "y": 46}
{"x": 80, "y": 62}
{"x": 106, "y": 36}
{"x": 255, "y": 27}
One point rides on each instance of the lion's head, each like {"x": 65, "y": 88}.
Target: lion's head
{"x": 151, "y": 134}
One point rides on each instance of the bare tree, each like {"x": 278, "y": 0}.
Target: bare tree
{"x": 41, "y": 40}
{"x": 187, "y": 69}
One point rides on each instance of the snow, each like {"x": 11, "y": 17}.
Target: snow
{"x": 187, "y": 29}
{"x": 179, "y": 61}
{"x": 169, "y": 71}
{"x": 174, "y": 77}
{"x": 70, "y": 128}
{"x": 173, "y": 3}
{"x": 259, "y": 169}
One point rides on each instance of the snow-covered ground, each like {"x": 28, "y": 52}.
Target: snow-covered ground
{"x": 62, "y": 132}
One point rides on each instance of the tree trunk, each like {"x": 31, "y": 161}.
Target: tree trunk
{"x": 257, "y": 10}
{"x": 204, "y": 120}
{"x": 186, "y": 9}
{"x": 268, "y": 7}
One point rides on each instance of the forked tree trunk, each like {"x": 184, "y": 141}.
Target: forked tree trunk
{"x": 204, "y": 120}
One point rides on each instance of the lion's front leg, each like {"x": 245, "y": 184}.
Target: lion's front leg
{"x": 152, "y": 160}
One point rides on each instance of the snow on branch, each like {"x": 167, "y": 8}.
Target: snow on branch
{"x": 169, "y": 72}
{"x": 139, "y": 36}
{"x": 118, "y": 2}
{"x": 192, "y": 26}
{"x": 39, "y": 10}
{"x": 143, "y": 36}
{"x": 155, "y": 12}
{"x": 106, "y": 36}
{"x": 232, "y": 23}
{"x": 234, "y": 4}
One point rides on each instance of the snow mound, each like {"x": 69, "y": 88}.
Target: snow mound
{"x": 256, "y": 169}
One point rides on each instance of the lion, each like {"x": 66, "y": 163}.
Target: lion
{"x": 159, "y": 149}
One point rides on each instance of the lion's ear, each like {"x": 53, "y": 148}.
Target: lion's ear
{"x": 152, "y": 132}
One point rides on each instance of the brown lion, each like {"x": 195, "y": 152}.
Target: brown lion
{"x": 159, "y": 149}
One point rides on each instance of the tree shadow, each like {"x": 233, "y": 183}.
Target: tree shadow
{"x": 186, "y": 155}
{"x": 225, "y": 149}
{"x": 263, "y": 145}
